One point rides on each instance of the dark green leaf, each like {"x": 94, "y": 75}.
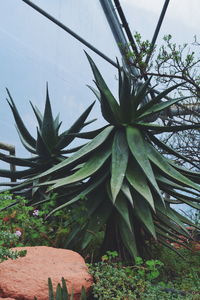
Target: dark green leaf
{"x": 38, "y": 115}
{"x": 128, "y": 237}
{"x": 48, "y": 131}
{"x": 104, "y": 90}
{"x": 41, "y": 147}
{"x": 119, "y": 162}
{"x": 88, "y": 148}
{"x": 137, "y": 147}
{"x": 24, "y": 132}
{"x": 90, "y": 167}
{"x": 161, "y": 162}
{"x": 157, "y": 99}
{"x": 122, "y": 207}
{"x": 156, "y": 108}
{"x": 138, "y": 181}
{"x": 144, "y": 213}
{"x": 65, "y": 137}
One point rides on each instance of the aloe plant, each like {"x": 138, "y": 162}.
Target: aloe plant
{"x": 62, "y": 292}
{"x": 123, "y": 175}
{"x": 48, "y": 149}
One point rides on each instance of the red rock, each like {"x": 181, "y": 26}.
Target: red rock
{"x": 27, "y": 276}
{"x": 7, "y": 299}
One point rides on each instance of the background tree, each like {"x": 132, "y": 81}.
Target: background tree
{"x": 171, "y": 64}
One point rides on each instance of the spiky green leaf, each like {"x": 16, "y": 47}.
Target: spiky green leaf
{"x": 120, "y": 154}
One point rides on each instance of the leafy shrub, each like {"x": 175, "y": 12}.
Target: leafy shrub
{"x": 29, "y": 222}
{"x": 117, "y": 282}
{"x": 6, "y": 239}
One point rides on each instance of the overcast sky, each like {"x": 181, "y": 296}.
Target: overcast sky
{"x": 33, "y": 51}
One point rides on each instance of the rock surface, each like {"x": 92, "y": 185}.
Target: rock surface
{"x": 27, "y": 276}
{"x": 7, "y": 299}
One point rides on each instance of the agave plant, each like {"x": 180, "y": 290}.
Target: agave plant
{"x": 47, "y": 150}
{"x": 123, "y": 174}
{"x": 62, "y": 292}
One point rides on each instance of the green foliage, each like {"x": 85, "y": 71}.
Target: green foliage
{"x": 123, "y": 176}
{"x": 113, "y": 280}
{"x": 144, "y": 280}
{"x": 7, "y": 239}
{"x": 183, "y": 271}
{"x": 47, "y": 150}
{"x": 61, "y": 292}
{"x": 30, "y": 223}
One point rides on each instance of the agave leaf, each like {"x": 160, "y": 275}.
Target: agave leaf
{"x": 96, "y": 92}
{"x": 167, "y": 245}
{"x": 161, "y": 162}
{"x": 157, "y": 99}
{"x": 20, "y": 125}
{"x": 125, "y": 97}
{"x": 138, "y": 181}
{"x": 41, "y": 147}
{"x": 51, "y": 295}
{"x": 71, "y": 150}
{"x": 169, "y": 213}
{"x": 137, "y": 147}
{"x": 16, "y": 174}
{"x": 88, "y": 148}
{"x": 111, "y": 101}
{"x": 119, "y": 162}
{"x": 127, "y": 193}
{"x": 192, "y": 174}
{"x": 156, "y": 108}
{"x": 83, "y": 294}
{"x": 106, "y": 109}
{"x": 169, "y": 149}
{"x": 88, "y": 135}
{"x": 58, "y": 292}
{"x": 160, "y": 129}
{"x": 38, "y": 115}
{"x": 97, "y": 220}
{"x": 96, "y": 161}
{"x": 170, "y": 232}
{"x": 76, "y": 230}
{"x": 65, "y": 294}
{"x": 128, "y": 237}
{"x": 179, "y": 196}
{"x": 123, "y": 209}
{"x": 143, "y": 212}
{"x": 89, "y": 122}
{"x": 66, "y": 138}
{"x": 170, "y": 238}
{"x": 25, "y": 143}
{"x": 168, "y": 182}
{"x": 11, "y": 159}
{"x": 57, "y": 124}
{"x": 140, "y": 95}
{"x": 186, "y": 220}
{"x": 48, "y": 131}
{"x": 169, "y": 224}
{"x": 92, "y": 185}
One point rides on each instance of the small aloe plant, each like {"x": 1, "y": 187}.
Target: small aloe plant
{"x": 48, "y": 149}
{"x": 62, "y": 292}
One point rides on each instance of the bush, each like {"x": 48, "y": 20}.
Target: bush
{"x": 6, "y": 239}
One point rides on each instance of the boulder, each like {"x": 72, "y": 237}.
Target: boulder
{"x": 27, "y": 276}
{"x": 7, "y": 299}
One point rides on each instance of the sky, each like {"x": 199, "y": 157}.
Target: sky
{"x": 35, "y": 51}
